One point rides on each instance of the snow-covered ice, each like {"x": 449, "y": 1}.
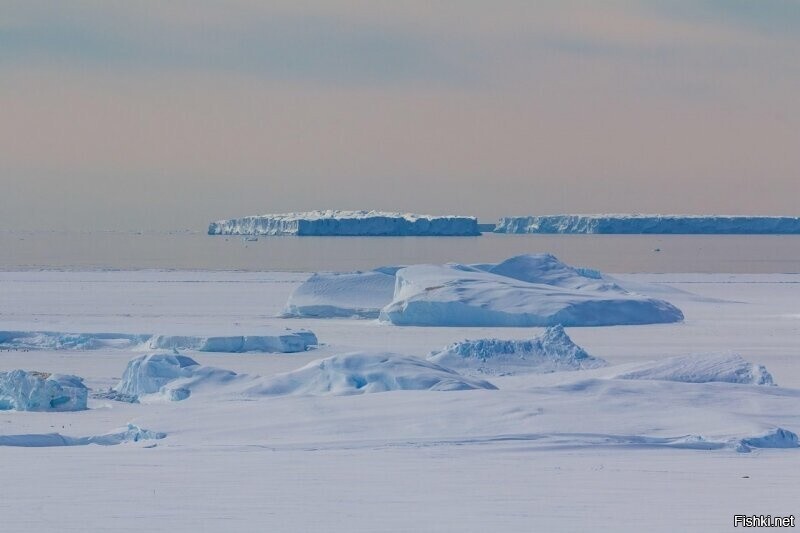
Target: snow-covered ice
{"x": 38, "y": 391}
{"x": 346, "y": 294}
{"x": 636, "y": 223}
{"x": 700, "y": 369}
{"x": 364, "y": 372}
{"x": 347, "y": 223}
{"x": 130, "y": 433}
{"x": 552, "y": 351}
{"x": 458, "y": 295}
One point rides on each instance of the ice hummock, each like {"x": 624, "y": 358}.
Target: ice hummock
{"x": 462, "y": 295}
{"x": 346, "y": 294}
{"x": 21, "y": 390}
{"x": 350, "y": 223}
{"x": 365, "y": 372}
{"x": 728, "y": 368}
{"x": 652, "y": 224}
{"x": 279, "y": 341}
{"x": 552, "y": 351}
{"x": 130, "y": 433}
{"x": 167, "y": 376}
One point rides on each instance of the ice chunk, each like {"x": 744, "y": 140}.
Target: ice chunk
{"x": 349, "y": 294}
{"x": 700, "y": 369}
{"x": 365, "y": 372}
{"x": 131, "y": 433}
{"x": 167, "y": 376}
{"x": 352, "y": 223}
{"x": 39, "y": 391}
{"x": 457, "y": 295}
{"x": 552, "y": 351}
{"x": 634, "y": 223}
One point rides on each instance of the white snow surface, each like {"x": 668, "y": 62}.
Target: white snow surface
{"x": 552, "y": 351}
{"x": 365, "y": 372}
{"x": 459, "y": 295}
{"x": 346, "y": 294}
{"x": 700, "y": 369}
{"x": 347, "y": 223}
{"x": 653, "y": 224}
{"x": 286, "y": 341}
{"x": 561, "y": 451}
{"x": 21, "y": 390}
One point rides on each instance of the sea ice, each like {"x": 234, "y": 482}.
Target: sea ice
{"x": 39, "y": 391}
{"x": 351, "y": 223}
{"x": 552, "y": 351}
{"x": 365, "y": 372}
{"x": 131, "y": 433}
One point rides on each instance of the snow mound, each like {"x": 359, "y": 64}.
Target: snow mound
{"x": 364, "y": 372}
{"x": 458, "y": 295}
{"x": 548, "y": 270}
{"x": 653, "y": 224}
{"x": 287, "y": 341}
{"x": 349, "y": 294}
{"x": 290, "y": 341}
{"x": 352, "y": 223}
{"x": 552, "y": 351}
{"x": 38, "y": 391}
{"x": 701, "y": 369}
{"x": 163, "y": 376}
{"x": 131, "y": 433}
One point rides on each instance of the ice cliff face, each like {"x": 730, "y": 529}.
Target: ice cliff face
{"x": 39, "y": 391}
{"x": 654, "y": 224}
{"x": 347, "y": 223}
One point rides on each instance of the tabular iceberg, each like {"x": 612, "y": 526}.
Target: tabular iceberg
{"x": 460, "y": 295}
{"x": 347, "y": 223}
{"x": 650, "y": 224}
{"x": 552, "y": 351}
{"x": 346, "y": 294}
{"x": 39, "y": 391}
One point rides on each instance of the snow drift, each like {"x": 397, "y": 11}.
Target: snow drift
{"x": 162, "y": 376}
{"x": 39, "y": 391}
{"x": 131, "y": 433}
{"x": 350, "y": 223}
{"x": 700, "y": 369}
{"x": 282, "y": 341}
{"x": 365, "y": 372}
{"x": 459, "y": 295}
{"x": 348, "y": 294}
{"x": 628, "y": 223}
{"x": 552, "y": 351}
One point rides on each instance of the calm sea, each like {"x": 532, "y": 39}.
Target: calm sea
{"x": 197, "y": 251}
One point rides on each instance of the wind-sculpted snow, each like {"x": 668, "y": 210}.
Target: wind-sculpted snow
{"x": 653, "y": 224}
{"x": 459, "y": 295}
{"x": 167, "y": 377}
{"x": 364, "y": 372}
{"x": 347, "y": 223}
{"x": 38, "y": 391}
{"x": 282, "y": 341}
{"x": 700, "y": 369}
{"x": 548, "y": 270}
{"x": 552, "y": 351}
{"x": 348, "y": 294}
{"x": 131, "y": 433}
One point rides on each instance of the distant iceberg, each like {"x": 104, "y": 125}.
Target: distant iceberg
{"x": 650, "y": 224}
{"x": 347, "y": 223}
{"x": 39, "y": 391}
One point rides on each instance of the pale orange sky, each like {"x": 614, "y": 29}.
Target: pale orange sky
{"x": 146, "y": 116}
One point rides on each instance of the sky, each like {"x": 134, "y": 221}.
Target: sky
{"x": 167, "y": 115}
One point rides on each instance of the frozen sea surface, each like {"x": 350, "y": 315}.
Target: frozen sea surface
{"x": 562, "y": 451}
